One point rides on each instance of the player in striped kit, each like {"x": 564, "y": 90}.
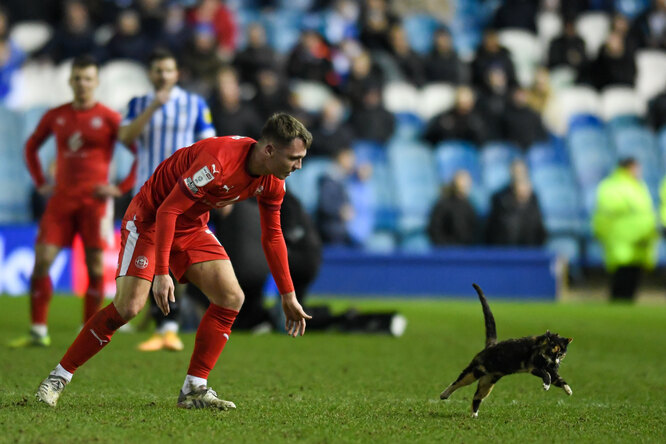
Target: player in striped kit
{"x": 160, "y": 123}
{"x": 81, "y": 199}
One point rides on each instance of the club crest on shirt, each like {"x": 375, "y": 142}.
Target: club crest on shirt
{"x": 259, "y": 190}
{"x": 141, "y": 262}
{"x": 96, "y": 122}
{"x": 202, "y": 177}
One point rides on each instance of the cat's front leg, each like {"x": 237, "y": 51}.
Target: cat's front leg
{"x": 544, "y": 375}
{"x": 560, "y": 382}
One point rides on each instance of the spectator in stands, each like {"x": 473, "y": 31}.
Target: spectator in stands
{"x": 521, "y": 124}
{"x": 515, "y": 217}
{"x": 493, "y": 102}
{"x": 331, "y": 133}
{"x": 201, "y": 61}
{"x": 539, "y": 93}
{"x": 216, "y": 14}
{"x": 656, "y": 113}
{"x": 614, "y": 65}
{"x": 625, "y": 224}
{"x": 453, "y": 220}
{"x": 74, "y": 37}
{"x": 491, "y": 55}
{"x": 342, "y": 21}
{"x": 175, "y": 32}
{"x": 571, "y": 9}
{"x": 256, "y": 56}
{"x": 649, "y": 29}
{"x": 443, "y": 64}
{"x": 568, "y": 50}
{"x": 376, "y": 22}
{"x": 519, "y": 14}
{"x": 310, "y": 60}
{"x": 334, "y": 208}
{"x": 370, "y": 120}
{"x": 231, "y": 115}
{"x": 272, "y": 93}
{"x": 11, "y": 59}
{"x": 4, "y": 22}
{"x": 129, "y": 40}
{"x": 364, "y": 75}
{"x": 408, "y": 61}
{"x": 463, "y": 122}
{"x": 153, "y": 15}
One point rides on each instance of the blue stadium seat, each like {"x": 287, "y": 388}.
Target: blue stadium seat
{"x": 631, "y": 8}
{"x": 380, "y": 182}
{"x": 11, "y": 124}
{"x": 559, "y": 198}
{"x": 567, "y": 247}
{"x": 578, "y": 121}
{"x": 496, "y": 159}
{"x": 283, "y": 28}
{"x": 622, "y": 122}
{"x": 592, "y": 155}
{"x": 15, "y": 182}
{"x": 454, "y": 155}
{"x": 415, "y": 183}
{"x": 408, "y": 126}
{"x": 661, "y": 141}
{"x": 419, "y": 29}
{"x": 546, "y": 154}
{"x": 305, "y": 183}
{"x": 641, "y": 143}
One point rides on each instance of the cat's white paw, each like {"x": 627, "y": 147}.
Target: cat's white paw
{"x": 567, "y": 389}
{"x": 546, "y": 387}
{"x": 475, "y": 414}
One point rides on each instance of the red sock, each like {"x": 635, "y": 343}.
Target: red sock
{"x": 93, "y": 298}
{"x": 212, "y": 335}
{"x": 94, "y": 335}
{"x": 41, "y": 291}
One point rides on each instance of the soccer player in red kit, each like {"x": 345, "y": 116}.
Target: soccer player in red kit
{"x": 165, "y": 228}
{"x": 80, "y": 202}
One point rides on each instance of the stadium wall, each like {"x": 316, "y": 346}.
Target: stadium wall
{"x": 512, "y": 273}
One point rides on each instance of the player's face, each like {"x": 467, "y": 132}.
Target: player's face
{"x": 163, "y": 74}
{"x": 83, "y": 82}
{"x": 285, "y": 160}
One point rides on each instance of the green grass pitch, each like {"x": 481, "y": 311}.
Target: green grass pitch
{"x": 329, "y": 387}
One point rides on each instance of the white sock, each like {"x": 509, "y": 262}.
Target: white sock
{"x": 192, "y": 382}
{"x": 61, "y": 372}
{"x": 40, "y": 330}
{"x": 169, "y": 326}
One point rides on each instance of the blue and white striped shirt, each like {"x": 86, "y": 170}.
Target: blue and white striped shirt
{"x": 183, "y": 120}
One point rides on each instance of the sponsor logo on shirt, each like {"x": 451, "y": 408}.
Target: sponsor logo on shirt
{"x": 75, "y": 142}
{"x": 190, "y": 184}
{"x": 202, "y": 177}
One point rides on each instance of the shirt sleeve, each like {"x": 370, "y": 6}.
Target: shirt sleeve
{"x": 203, "y": 127}
{"x": 33, "y": 144}
{"x": 132, "y": 111}
{"x": 272, "y": 239}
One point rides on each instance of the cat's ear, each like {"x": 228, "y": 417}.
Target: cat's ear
{"x": 569, "y": 340}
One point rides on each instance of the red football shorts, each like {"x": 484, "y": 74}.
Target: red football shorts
{"x": 137, "y": 250}
{"x": 66, "y": 216}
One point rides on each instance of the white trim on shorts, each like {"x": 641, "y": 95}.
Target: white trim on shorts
{"x": 130, "y": 245}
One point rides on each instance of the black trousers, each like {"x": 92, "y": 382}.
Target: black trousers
{"x": 624, "y": 282}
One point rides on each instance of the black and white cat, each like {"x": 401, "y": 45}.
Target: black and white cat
{"x": 539, "y": 355}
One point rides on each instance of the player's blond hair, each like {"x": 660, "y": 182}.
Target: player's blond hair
{"x": 281, "y": 129}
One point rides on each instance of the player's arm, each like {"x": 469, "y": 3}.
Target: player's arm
{"x": 133, "y": 128}
{"x": 32, "y": 146}
{"x": 109, "y": 190}
{"x": 275, "y": 250}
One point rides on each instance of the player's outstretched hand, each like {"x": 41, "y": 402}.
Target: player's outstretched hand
{"x": 293, "y": 312}
{"x": 163, "y": 292}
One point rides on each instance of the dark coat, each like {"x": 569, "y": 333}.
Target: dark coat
{"x": 511, "y": 223}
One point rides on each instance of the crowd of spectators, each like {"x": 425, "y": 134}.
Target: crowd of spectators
{"x": 364, "y": 44}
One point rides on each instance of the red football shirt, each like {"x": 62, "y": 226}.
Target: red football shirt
{"x": 84, "y": 142}
{"x": 211, "y": 174}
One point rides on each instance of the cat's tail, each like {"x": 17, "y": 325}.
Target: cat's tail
{"x": 491, "y": 333}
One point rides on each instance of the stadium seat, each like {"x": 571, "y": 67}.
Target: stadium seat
{"x": 408, "y": 126}
{"x": 283, "y": 28}
{"x": 543, "y": 154}
{"x": 436, "y": 98}
{"x": 592, "y": 154}
{"x": 562, "y": 77}
{"x": 593, "y": 27}
{"x": 415, "y": 183}
{"x": 454, "y": 155}
{"x": 661, "y": 143}
{"x": 496, "y": 161}
{"x": 305, "y": 184}
{"x": 311, "y": 96}
{"x": 566, "y": 246}
{"x": 30, "y": 35}
{"x": 569, "y": 102}
{"x": 631, "y": 8}
{"x": 120, "y": 80}
{"x": 34, "y": 84}
{"x": 15, "y": 182}
{"x": 526, "y": 53}
{"x": 650, "y": 66}
{"x": 558, "y": 196}
{"x": 419, "y": 29}
{"x": 549, "y": 26}
{"x": 60, "y": 90}
{"x": 400, "y": 97}
{"x": 621, "y": 100}
{"x": 11, "y": 123}
{"x": 641, "y": 143}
